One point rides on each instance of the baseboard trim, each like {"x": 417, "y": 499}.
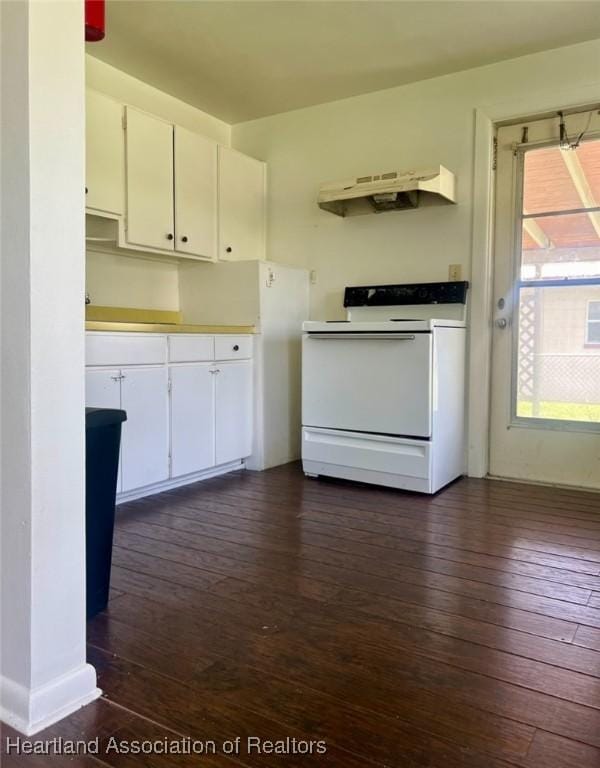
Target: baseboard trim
{"x": 177, "y": 482}
{"x": 31, "y": 710}
{"x": 545, "y": 483}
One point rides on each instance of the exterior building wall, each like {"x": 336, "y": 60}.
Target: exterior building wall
{"x": 556, "y": 364}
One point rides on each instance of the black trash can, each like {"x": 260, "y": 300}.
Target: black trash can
{"x": 102, "y": 443}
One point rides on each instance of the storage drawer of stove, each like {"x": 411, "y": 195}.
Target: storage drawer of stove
{"x": 378, "y": 453}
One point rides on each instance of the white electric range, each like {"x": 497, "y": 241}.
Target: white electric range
{"x": 383, "y": 394}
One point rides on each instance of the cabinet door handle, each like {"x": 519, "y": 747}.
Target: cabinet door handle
{"x": 229, "y": 249}
{"x": 236, "y": 347}
{"x": 215, "y": 370}
{"x": 184, "y": 239}
{"x": 169, "y": 236}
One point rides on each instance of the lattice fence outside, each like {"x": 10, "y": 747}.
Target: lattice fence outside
{"x": 567, "y": 378}
{"x": 551, "y": 377}
{"x": 527, "y": 342}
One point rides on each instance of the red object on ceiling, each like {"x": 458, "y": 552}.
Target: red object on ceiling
{"x": 94, "y": 20}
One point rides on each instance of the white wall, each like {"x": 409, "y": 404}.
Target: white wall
{"x": 43, "y": 671}
{"x": 129, "y": 90}
{"x": 118, "y": 280}
{"x": 414, "y": 125}
{"x": 113, "y": 280}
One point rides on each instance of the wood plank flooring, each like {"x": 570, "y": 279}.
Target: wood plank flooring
{"x": 402, "y": 630}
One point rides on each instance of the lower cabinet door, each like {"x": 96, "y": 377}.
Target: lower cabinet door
{"x": 103, "y": 390}
{"x": 233, "y": 411}
{"x": 192, "y": 418}
{"x": 145, "y": 441}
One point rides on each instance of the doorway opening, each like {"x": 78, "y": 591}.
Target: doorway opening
{"x": 545, "y": 394}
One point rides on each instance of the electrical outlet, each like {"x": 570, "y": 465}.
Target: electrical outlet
{"x": 313, "y": 276}
{"x": 455, "y": 272}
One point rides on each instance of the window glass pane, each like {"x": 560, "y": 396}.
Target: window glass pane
{"x": 562, "y": 246}
{"x": 554, "y": 178}
{"x": 594, "y": 310}
{"x": 594, "y": 333}
{"x": 558, "y": 372}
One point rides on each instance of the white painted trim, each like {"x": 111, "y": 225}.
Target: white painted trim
{"x": 542, "y": 484}
{"x": 256, "y": 461}
{"x": 177, "y": 482}
{"x": 26, "y": 710}
{"x": 481, "y": 299}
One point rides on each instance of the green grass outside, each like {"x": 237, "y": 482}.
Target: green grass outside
{"x": 561, "y": 411}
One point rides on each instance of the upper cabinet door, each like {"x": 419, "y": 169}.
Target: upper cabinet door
{"x": 104, "y": 154}
{"x": 149, "y": 164}
{"x": 195, "y": 194}
{"x": 241, "y": 206}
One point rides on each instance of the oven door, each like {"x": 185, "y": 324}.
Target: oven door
{"x": 368, "y": 382}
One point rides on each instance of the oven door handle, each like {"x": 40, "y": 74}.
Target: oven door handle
{"x": 362, "y": 336}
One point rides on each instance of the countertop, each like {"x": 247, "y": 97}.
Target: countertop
{"x": 107, "y": 326}
{"x": 132, "y": 320}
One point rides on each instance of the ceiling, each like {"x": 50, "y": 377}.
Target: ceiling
{"x": 246, "y": 59}
{"x": 558, "y": 181}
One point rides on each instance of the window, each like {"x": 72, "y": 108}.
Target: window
{"x": 592, "y": 335}
{"x": 557, "y": 289}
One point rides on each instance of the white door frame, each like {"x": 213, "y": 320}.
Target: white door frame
{"x": 480, "y": 315}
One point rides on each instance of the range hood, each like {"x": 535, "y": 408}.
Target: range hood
{"x": 392, "y": 191}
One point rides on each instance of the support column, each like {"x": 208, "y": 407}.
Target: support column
{"x": 43, "y": 672}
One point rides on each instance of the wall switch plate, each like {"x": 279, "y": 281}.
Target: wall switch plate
{"x": 455, "y": 272}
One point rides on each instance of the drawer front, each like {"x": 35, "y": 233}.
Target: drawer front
{"x": 233, "y": 347}
{"x": 377, "y": 453}
{"x": 123, "y": 349}
{"x": 191, "y": 349}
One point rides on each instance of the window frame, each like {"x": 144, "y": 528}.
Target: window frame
{"x": 588, "y": 342}
{"x": 537, "y": 422}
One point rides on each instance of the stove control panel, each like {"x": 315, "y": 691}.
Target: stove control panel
{"x": 406, "y": 293}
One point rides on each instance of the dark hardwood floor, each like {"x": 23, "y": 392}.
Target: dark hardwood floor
{"x": 403, "y": 630}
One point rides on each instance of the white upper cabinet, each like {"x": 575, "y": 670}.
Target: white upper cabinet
{"x": 171, "y": 191}
{"x": 104, "y": 154}
{"x": 195, "y": 194}
{"x": 242, "y": 182}
{"x": 149, "y": 164}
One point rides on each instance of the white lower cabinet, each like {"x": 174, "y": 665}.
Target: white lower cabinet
{"x": 103, "y": 388}
{"x": 192, "y": 418}
{"x": 185, "y": 416}
{"x": 145, "y": 436}
{"x": 233, "y": 410}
